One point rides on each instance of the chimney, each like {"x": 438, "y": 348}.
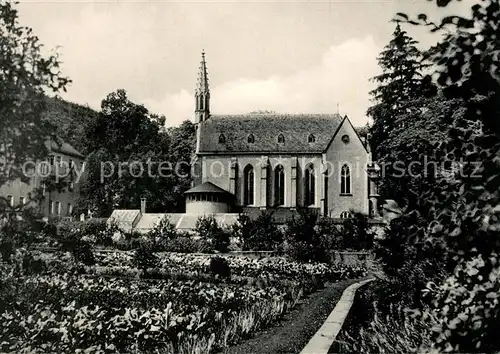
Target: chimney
{"x": 143, "y": 205}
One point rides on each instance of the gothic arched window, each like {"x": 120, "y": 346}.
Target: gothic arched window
{"x": 222, "y": 139}
{"x": 309, "y": 185}
{"x": 311, "y": 139}
{"x": 281, "y": 139}
{"x": 251, "y": 139}
{"x": 279, "y": 186}
{"x": 345, "y": 180}
{"x": 248, "y": 188}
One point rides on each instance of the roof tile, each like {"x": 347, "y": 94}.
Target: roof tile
{"x": 266, "y": 128}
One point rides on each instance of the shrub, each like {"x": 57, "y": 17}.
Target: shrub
{"x": 206, "y": 246}
{"x": 210, "y": 230}
{"x": 183, "y": 244}
{"x": 130, "y": 241}
{"x": 6, "y": 247}
{"x": 357, "y": 233}
{"x": 49, "y": 230}
{"x": 96, "y": 231}
{"x": 82, "y": 252}
{"x": 466, "y": 306}
{"x": 408, "y": 260}
{"x": 395, "y": 332}
{"x": 304, "y": 243}
{"x": 220, "y": 267}
{"x": 164, "y": 231}
{"x": 329, "y": 232}
{"x": 145, "y": 258}
{"x": 261, "y": 234}
{"x": 32, "y": 265}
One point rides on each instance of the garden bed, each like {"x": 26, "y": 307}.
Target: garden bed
{"x": 113, "y": 306}
{"x": 359, "y": 317}
{"x": 297, "y": 327}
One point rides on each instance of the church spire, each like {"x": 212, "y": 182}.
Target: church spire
{"x": 202, "y": 95}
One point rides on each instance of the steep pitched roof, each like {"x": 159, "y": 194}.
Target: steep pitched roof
{"x": 266, "y": 128}
{"x": 206, "y": 187}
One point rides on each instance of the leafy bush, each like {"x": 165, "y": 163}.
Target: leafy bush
{"x": 357, "y": 233}
{"x": 408, "y": 260}
{"x": 130, "y": 241}
{"x": 330, "y": 233}
{"x": 32, "y": 265}
{"x": 183, "y": 244}
{"x": 304, "y": 243}
{"x": 220, "y": 267}
{"x": 466, "y": 306}
{"x": 394, "y": 332}
{"x": 145, "y": 258}
{"x": 6, "y": 247}
{"x": 217, "y": 236}
{"x": 96, "y": 231}
{"x": 82, "y": 252}
{"x": 164, "y": 231}
{"x": 261, "y": 234}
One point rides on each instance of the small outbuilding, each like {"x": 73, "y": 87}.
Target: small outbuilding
{"x": 207, "y": 198}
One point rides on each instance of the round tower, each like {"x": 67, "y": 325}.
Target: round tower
{"x": 207, "y": 198}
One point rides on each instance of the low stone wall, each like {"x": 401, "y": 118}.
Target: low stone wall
{"x": 322, "y": 341}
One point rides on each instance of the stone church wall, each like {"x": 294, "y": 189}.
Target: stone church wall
{"x": 354, "y": 154}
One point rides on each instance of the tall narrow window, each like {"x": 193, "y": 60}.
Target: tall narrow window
{"x": 249, "y": 185}
{"x": 222, "y": 139}
{"x": 281, "y": 139}
{"x": 279, "y": 186}
{"x": 310, "y": 186}
{"x": 70, "y": 209}
{"x": 51, "y": 207}
{"x": 345, "y": 180}
{"x": 251, "y": 139}
{"x": 10, "y": 200}
{"x": 58, "y": 208}
{"x": 345, "y": 215}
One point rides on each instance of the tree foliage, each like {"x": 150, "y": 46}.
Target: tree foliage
{"x": 25, "y": 77}
{"x": 400, "y": 82}
{"x": 455, "y": 220}
{"x": 133, "y": 157}
{"x": 260, "y": 234}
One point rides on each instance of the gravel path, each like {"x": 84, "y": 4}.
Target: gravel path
{"x": 297, "y": 327}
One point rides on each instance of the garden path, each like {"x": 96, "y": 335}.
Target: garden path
{"x": 294, "y": 331}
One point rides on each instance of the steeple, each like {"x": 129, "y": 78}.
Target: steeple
{"x": 202, "y": 95}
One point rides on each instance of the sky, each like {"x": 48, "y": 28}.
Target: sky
{"x": 286, "y": 56}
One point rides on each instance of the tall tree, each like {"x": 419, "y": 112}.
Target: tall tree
{"x": 25, "y": 77}
{"x": 462, "y": 213}
{"x": 399, "y": 83}
{"x": 182, "y": 149}
{"x": 132, "y": 156}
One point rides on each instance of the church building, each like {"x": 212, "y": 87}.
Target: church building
{"x": 247, "y": 163}
{"x": 266, "y": 160}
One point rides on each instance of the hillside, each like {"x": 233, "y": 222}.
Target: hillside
{"x": 70, "y": 119}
